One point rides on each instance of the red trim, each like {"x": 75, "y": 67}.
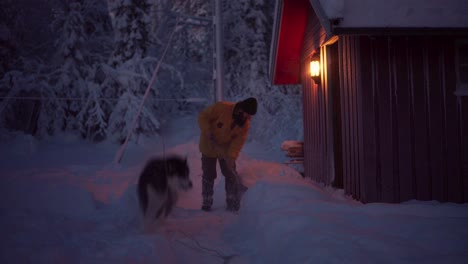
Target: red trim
{"x": 291, "y": 36}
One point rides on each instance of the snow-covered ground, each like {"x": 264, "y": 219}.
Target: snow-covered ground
{"x": 65, "y": 201}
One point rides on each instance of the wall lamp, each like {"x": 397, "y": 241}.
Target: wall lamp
{"x": 315, "y": 68}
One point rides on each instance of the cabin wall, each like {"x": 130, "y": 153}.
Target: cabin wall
{"x": 314, "y": 35}
{"x": 351, "y": 120}
{"x": 410, "y": 134}
{"x": 317, "y": 150}
{"x": 403, "y": 130}
{"x": 316, "y": 129}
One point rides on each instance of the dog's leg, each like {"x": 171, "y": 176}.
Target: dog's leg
{"x": 171, "y": 200}
{"x": 165, "y": 209}
{"x": 155, "y": 202}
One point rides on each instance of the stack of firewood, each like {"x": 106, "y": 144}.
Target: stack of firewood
{"x": 293, "y": 149}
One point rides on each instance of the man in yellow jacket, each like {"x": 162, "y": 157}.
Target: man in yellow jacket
{"x": 224, "y": 127}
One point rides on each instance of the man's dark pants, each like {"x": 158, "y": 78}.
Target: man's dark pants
{"x": 228, "y": 169}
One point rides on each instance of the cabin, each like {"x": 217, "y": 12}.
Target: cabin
{"x": 385, "y": 94}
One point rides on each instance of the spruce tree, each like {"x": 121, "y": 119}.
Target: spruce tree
{"x": 63, "y": 102}
{"x": 131, "y": 24}
{"x": 248, "y": 31}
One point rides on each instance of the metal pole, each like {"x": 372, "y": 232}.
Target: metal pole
{"x": 218, "y": 21}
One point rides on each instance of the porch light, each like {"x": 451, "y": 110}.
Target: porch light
{"x": 315, "y": 69}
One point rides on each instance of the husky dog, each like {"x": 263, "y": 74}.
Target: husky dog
{"x": 158, "y": 185}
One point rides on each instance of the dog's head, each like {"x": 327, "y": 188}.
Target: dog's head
{"x": 179, "y": 171}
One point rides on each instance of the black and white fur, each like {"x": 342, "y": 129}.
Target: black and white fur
{"x": 158, "y": 185}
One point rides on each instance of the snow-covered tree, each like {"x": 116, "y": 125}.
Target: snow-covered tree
{"x": 92, "y": 80}
{"x": 247, "y": 36}
{"x": 92, "y": 117}
{"x": 18, "y": 114}
{"x": 71, "y": 66}
{"x": 11, "y": 26}
{"x": 246, "y": 43}
{"x": 122, "y": 117}
{"x": 131, "y": 25}
{"x": 189, "y": 61}
{"x": 98, "y": 31}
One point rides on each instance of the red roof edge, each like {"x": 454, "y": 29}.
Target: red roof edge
{"x": 289, "y": 44}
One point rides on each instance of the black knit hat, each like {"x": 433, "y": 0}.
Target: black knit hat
{"x": 249, "y": 105}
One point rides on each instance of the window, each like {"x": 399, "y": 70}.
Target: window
{"x": 462, "y": 68}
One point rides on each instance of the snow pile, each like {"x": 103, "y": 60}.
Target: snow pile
{"x": 333, "y": 8}
{"x": 396, "y": 13}
{"x": 68, "y": 203}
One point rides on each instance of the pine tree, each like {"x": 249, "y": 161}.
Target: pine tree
{"x": 106, "y": 70}
{"x": 247, "y": 30}
{"x": 67, "y": 81}
{"x": 98, "y": 31}
{"x": 186, "y": 70}
{"x": 129, "y": 78}
{"x": 92, "y": 115}
{"x": 123, "y": 115}
{"x": 131, "y": 26}
{"x": 247, "y": 36}
{"x": 11, "y": 26}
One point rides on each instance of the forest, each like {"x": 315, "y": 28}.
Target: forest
{"x": 82, "y": 67}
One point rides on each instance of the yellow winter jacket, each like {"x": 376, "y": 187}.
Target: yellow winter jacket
{"x": 227, "y": 138}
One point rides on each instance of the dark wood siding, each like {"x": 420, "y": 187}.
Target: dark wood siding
{"x": 316, "y": 131}
{"x": 413, "y": 126}
{"x": 314, "y": 35}
{"x": 403, "y": 129}
{"x": 350, "y": 119}
{"x": 315, "y": 107}
{"x": 370, "y": 159}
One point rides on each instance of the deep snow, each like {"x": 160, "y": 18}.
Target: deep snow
{"x": 65, "y": 201}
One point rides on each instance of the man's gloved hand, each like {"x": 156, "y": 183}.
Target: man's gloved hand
{"x": 212, "y": 138}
